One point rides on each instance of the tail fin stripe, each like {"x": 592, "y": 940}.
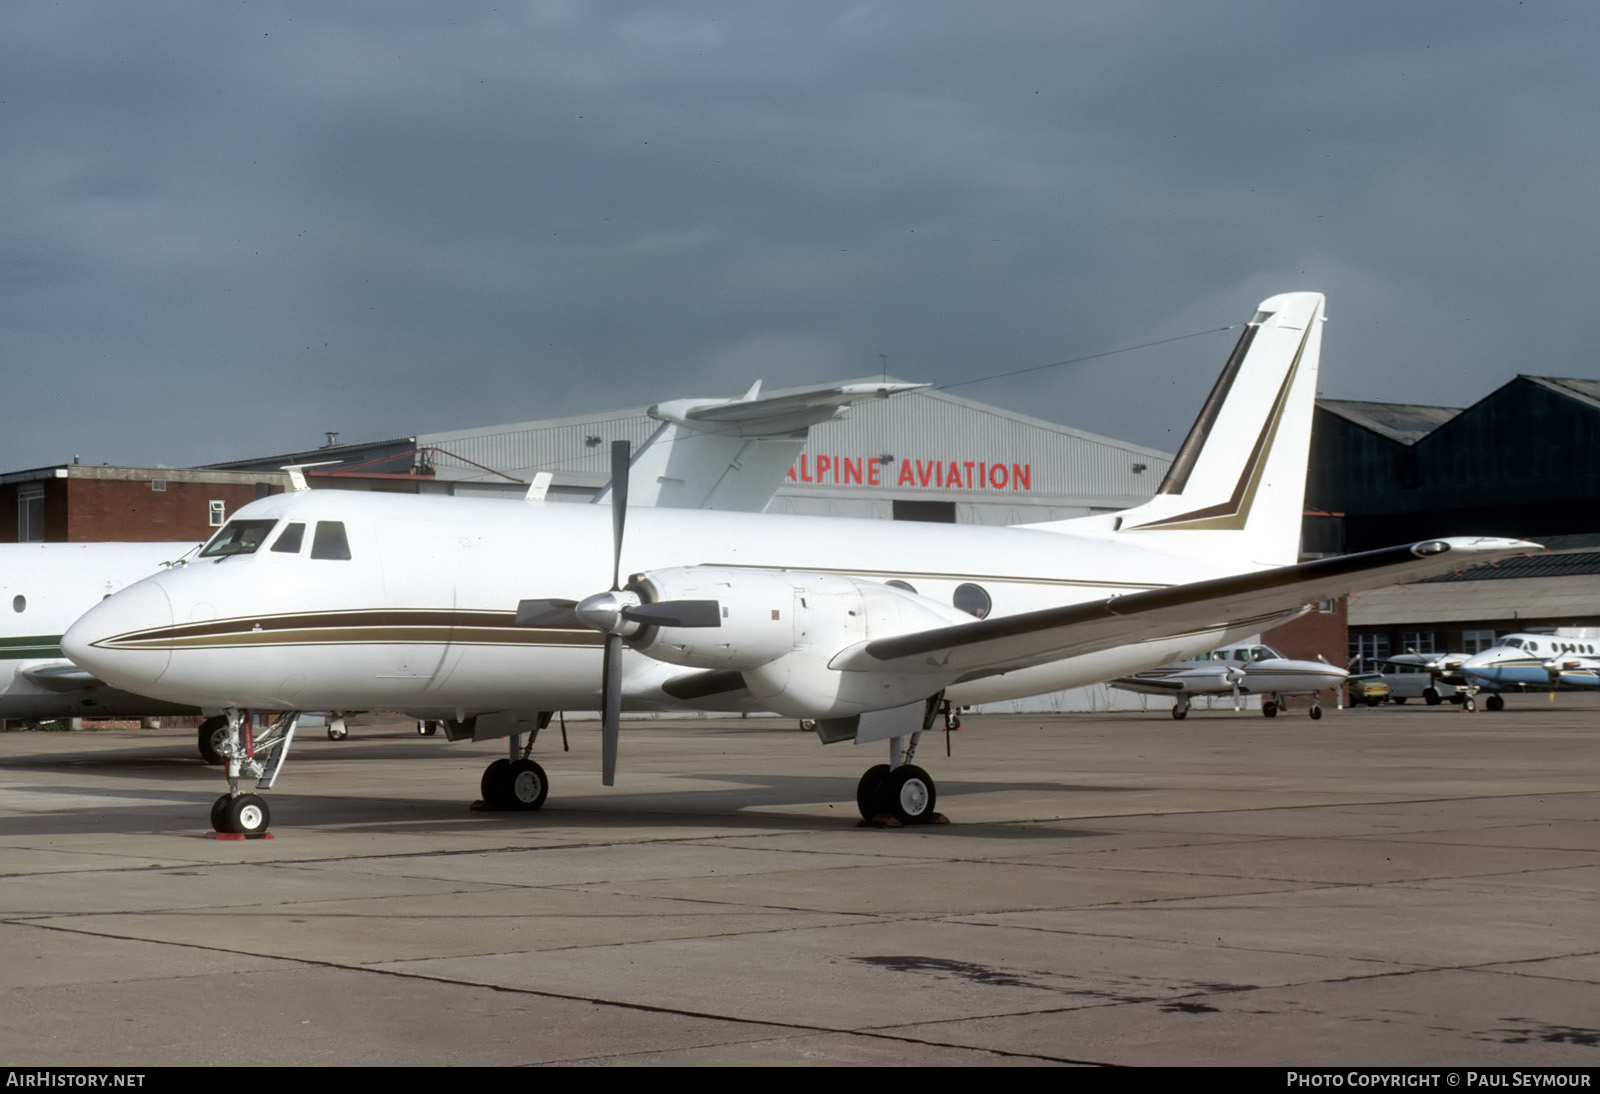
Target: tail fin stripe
{"x": 1177, "y": 476}
{"x": 1235, "y": 512}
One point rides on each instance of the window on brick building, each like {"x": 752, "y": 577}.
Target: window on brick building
{"x": 30, "y": 514}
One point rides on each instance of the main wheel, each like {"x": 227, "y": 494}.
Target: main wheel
{"x": 1315, "y": 712}
{"x": 211, "y": 734}
{"x": 867, "y": 790}
{"x": 427, "y": 727}
{"x": 525, "y": 785}
{"x": 218, "y": 807}
{"x": 1432, "y": 697}
{"x": 1495, "y": 702}
{"x": 494, "y": 786}
{"x": 1269, "y": 709}
{"x": 908, "y": 794}
{"x": 246, "y": 815}
{"x": 1180, "y": 713}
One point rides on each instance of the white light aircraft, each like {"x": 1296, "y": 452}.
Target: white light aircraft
{"x": 492, "y": 615}
{"x": 1531, "y": 662}
{"x": 1238, "y": 671}
{"x": 43, "y": 588}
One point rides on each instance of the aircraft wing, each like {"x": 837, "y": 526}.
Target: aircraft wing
{"x": 989, "y": 646}
{"x": 60, "y": 675}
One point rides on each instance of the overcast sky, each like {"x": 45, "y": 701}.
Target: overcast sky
{"x": 229, "y": 227}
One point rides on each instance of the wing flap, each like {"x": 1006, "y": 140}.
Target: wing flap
{"x": 1264, "y": 597}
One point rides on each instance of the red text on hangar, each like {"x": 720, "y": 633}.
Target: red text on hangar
{"x": 941, "y": 474}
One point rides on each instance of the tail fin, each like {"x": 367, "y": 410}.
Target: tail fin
{"x": 1242, "y": 469}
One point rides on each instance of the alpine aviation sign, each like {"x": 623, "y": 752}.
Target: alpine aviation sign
{"x": 941, "y": 474}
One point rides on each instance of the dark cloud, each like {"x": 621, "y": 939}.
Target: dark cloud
{"x": 229, "y": 227}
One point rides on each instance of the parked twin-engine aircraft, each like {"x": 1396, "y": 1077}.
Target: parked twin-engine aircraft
{"x": 1531, "y": 662}
{"x": 1238, "y": 671}
{"x": 492, "y": 615}
{"x": 43, "y": 588}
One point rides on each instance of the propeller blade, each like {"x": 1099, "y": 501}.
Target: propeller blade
{"x": 676, "y": 613}
{"x": 610, "y": 709}
{"x": 620, "y": 456}
{"x": 546, "y": 613}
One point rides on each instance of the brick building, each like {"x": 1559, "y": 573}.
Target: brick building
{"x": 73, "y": 503}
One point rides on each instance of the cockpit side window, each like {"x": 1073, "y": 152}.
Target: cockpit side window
{"x": 238, "y": 537}
{"x": 329, "y": 541}
{"x": 290, "y": 541}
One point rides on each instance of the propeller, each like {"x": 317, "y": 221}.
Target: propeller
{"x": 1235, "y": 676}
{"x": 617, "y": 614}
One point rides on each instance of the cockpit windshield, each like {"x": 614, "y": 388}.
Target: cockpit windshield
{"x": 238, "y": 537}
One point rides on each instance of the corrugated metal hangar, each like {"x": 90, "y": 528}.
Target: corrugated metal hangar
{"x": 916, "y": 454}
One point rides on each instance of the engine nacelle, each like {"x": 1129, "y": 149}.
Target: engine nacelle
{"x": 767, "y": 615}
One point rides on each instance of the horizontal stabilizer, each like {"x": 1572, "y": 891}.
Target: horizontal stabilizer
{"x": 734, "y": 454}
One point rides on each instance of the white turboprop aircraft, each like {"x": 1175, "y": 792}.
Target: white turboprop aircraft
{"x": 492, "y": 615}
{"x": 1531, "y": 662}
{"x": 1237, "y": 671}
{"x": 45, "y": 586}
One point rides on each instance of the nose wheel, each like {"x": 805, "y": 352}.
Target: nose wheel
{"x": 243, "y": 815}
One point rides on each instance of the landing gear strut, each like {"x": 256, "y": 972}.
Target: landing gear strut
{"x": 250, "y": 755}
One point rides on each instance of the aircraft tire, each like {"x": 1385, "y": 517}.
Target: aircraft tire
{"x": 246, "y": 815}
{"x": 427, "y": 728}
{"x": 218, "y": 807}
{"x": 526, "y": 785}
{"x": 494, "y": 785}
{"x": 1180, "y": 713}
{"x": 1495, "y": 702}
{"x": 337, "y": 731}
{"x": 212, "y": 732}
{"x": 867, "y": 790}
{"x": 1315, "y": 712}
{"x": 1269, "y": 709}
{"x": 907, "y": 793}
{"x": 1469, "y": 704}
{"x": 1432, "y": 697}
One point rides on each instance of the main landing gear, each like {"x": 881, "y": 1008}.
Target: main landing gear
{"x": 260, "y": 755}
{"x": 900, "y": 793}
{"x": 213, "y": 733}
{"x": 1271, "y": 707}
{"x": 516, "y": 783}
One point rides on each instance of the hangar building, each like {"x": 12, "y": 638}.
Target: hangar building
{"x": 1523, "y": 461}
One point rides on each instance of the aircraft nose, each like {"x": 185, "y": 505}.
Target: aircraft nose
{"x": 114, "y": 639}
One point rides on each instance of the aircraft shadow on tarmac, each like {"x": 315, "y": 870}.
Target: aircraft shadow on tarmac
{"x": 752, "y": 803}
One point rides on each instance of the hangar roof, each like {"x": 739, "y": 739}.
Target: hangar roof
{"x": 1407, "y": 423}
